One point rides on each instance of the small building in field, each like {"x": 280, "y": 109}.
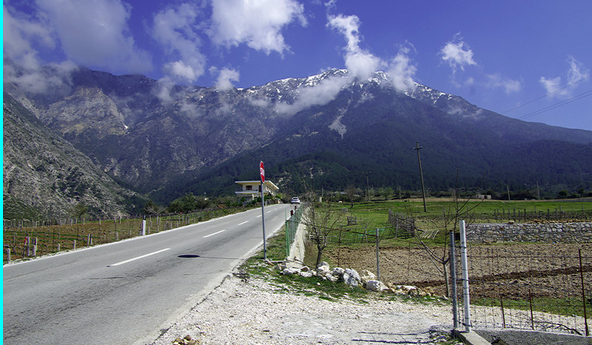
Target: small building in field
{"x": 252, "y": 189}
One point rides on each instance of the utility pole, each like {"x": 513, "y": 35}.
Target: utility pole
{"x": 417, "y": 148}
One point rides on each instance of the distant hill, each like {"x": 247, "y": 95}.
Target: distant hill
{"x": 328, "y": 131}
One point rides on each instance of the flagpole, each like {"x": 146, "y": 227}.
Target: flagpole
{"x": 262, "y": 173}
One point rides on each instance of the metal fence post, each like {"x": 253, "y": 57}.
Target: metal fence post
{"x": 377, "y": 257}
{"x": 465, "y": 276}
{"x": 583, "y": 293}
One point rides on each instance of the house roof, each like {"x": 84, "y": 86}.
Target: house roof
{"x": 268, "y": 183}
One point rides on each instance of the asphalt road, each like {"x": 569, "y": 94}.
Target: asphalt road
{"x": 127, "y": 292}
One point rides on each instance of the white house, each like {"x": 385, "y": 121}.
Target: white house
{"x": 252, "y": 189}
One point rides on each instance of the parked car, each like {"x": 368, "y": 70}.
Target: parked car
{"x": 295, "y": 200}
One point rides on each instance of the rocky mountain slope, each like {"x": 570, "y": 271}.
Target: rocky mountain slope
{"x": 46, "y": 176}
{"x": 366, "y": 133}
{"x": 165, "y": 140}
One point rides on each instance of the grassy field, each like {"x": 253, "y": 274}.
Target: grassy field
{"x": 375, "y": 214}
{"x": 492, "y": 209}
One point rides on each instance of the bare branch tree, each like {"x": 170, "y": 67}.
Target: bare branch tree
{"x": 320, "y": 219}
{"x": 451, "y": 217}
{"x": 351, "y": 191}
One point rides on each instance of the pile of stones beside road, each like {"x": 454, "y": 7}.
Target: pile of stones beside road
{"x": 351, "y": 277}
{"x": 187, "y": 340}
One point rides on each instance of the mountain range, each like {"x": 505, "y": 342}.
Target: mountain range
{"x": 160, "y": 141}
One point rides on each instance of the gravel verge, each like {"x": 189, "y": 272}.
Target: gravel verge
{"x": 257, "y": 311}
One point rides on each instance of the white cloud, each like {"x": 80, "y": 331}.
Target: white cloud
{"x": 163, "y": 90}
{"x": 348, "y": 26}
{"x": 362, "y": 64}
{"x": 174, "y": 28}
{"x": 331, "y": 4}
{"x": 320, "y": 94}
{"x": 509, "y": 85}
{"x": 23, "y": 68}
{"x": 259, "y": 102}
{"x": 457, "y": 54}
{"x": 19, "y": 31}
{"x": 401, "y": 71}
{"x": 36, "y": 80}
{"x": 552, "y": 86}
{"x": 358, "y": 61}
{"x": 95, "y": 33}
{"x": 258, "y": 23}
{"x": 577, "y": 72}
{"x": 225, "y": 78}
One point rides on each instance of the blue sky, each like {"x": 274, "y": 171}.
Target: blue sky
{"x": 525, "y": 59}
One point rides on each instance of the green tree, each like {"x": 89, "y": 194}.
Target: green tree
{"x": 385, "y": 192}
{"x": 79, "y": 210}
{"x": 184, "y": 204}
{"x": 152, "y": 208}
{"x": 562, "y": 194}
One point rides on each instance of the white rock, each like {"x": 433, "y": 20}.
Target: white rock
{"x": 353, "y": 273}
{"x": 306, "y": 274}
{"x": 290, "y": 270}
{"x": 367, "y": 276}
{"x": 338, "y": 271}
{"x": 323, "y": 269}
{"x": 373, "y": 285}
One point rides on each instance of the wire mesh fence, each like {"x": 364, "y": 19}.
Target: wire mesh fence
{"x": 530, "y": 286}
{"x": 291, "y": 225}
{"x": 542, "y": 287}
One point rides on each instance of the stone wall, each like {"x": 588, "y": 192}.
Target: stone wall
{"x": 576, "y": 232}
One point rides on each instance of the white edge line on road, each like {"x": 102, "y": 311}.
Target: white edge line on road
{"x": 245, "y": 222}
{"x": 139, "y": 257}
{"x": 215, "y": 233}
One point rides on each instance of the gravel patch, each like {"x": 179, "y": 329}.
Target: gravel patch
{"x": 255, "y": 311}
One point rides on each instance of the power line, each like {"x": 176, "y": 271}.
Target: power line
{"x": 546, "y": 95}
{"x": 558, "y": 104}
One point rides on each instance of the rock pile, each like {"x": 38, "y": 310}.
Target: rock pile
{"x": 187, "y": 340}
{"x": 351, "y": 277}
